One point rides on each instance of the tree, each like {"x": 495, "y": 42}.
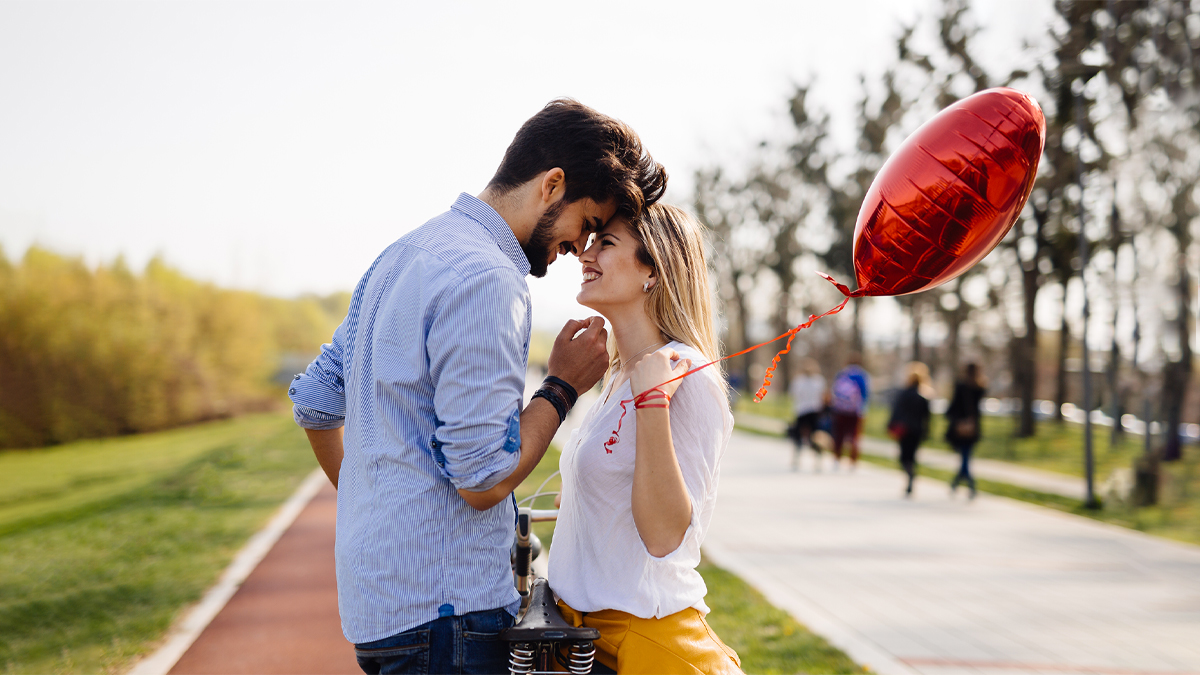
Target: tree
{"x": 734, "y": 263}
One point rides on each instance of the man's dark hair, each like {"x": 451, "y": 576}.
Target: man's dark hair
{"x": 602, "y": 157}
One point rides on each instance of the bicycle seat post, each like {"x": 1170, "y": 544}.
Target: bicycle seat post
{"x": 523, "y": 564}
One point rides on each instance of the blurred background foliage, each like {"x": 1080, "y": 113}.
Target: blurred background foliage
{"x": 89, "y": 352}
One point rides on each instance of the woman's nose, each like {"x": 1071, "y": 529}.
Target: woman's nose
{"x": 588, "y": 255}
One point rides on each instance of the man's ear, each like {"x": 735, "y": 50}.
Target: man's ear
{"x": 553, "y": 186}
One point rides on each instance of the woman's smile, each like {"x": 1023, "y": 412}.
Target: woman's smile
{"x": 590, "y": 274}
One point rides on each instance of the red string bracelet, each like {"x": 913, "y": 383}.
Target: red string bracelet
{"x": 639, "y": 401}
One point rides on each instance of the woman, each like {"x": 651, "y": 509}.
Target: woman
{"x": 909, "y": 423}
{"x": 808, "y": 401}
{"x": 635, "y": 505}
{"x": 962, "y": 423}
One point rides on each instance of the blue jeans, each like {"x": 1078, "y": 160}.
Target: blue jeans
{"x": 964, "y": 472}
{"x": 450, "y": 644}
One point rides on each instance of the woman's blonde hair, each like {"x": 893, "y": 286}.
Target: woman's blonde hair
{"x": 671, "y": 243}
{"x": 917, "y": 374}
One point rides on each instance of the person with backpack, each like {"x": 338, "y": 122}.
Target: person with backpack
{"x": 848, "y": 406}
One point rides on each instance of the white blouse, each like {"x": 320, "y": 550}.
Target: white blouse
{"x": 597, "y": 560}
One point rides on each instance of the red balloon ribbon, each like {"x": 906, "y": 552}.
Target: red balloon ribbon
{"x": 770, "y": 372}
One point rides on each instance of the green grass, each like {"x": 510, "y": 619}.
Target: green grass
{"x": 768, "y": 640}
{"x": 1058, "y": 448}
{"x": 102, "y": 543}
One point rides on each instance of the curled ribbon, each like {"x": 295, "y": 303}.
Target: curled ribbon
{"x": 615, "y": 437}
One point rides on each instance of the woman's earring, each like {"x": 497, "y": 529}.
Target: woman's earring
{"x": 646, "y": 287}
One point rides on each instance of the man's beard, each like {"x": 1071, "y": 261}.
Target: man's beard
{"x": 537, "y": 250}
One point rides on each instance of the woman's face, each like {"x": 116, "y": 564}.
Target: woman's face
{"x": 612, "y": 275}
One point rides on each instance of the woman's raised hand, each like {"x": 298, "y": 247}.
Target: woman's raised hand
{"x": 654, "y": 369}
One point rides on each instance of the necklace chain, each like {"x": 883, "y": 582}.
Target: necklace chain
{"x": 621, "y": 362}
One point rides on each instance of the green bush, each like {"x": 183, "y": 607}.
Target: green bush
{"x": 105, "y": 351}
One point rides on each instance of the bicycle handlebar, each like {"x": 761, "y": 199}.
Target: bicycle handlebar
{"x": 543, "y": 515}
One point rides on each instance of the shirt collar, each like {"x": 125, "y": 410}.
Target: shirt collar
{"x": 480, "y": 212}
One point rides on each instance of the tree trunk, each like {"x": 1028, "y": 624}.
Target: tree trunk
{"x": 1178, "y": 374}
{"x": 742, "y": 363}
{"x": 915, "y": 311}
{"x": 783, "y": 374}
{"x": 1117, "y": 403}
{"x": 1114, "y": 357}
{"x": 856, "y": 334}
{"x": 954, "y": 322}
{"x": 1025, "y": 357}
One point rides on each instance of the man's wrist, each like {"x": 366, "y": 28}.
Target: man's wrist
{"x": 564, "y": 387}
{"x": 552, "y": 396}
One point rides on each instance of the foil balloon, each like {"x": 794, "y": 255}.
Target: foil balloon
{"x": 940, "y": 203}
{"x": 949, "y": 193}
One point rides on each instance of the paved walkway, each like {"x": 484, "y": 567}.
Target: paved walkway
{"x": 987, "y": 469}
{"x": 937, "y": 586}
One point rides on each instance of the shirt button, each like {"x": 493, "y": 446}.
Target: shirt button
{"x": 296, "y": 377}
{"x": 292, "y": 391}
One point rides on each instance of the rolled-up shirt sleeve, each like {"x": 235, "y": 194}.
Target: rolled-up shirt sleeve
{"x": 477, "y": 360}
{"x": 319, "y": 393}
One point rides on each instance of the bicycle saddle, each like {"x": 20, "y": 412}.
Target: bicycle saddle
{"x": 542, "y": 620}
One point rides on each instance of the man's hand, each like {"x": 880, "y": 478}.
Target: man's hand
{"x": 583, "y": 360}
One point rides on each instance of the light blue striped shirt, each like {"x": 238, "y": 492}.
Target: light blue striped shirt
{"x": 428, "y": 373}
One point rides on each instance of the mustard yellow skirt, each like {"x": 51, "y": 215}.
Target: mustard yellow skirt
{"x": 682, "y": 643}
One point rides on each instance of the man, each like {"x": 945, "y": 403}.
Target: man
{"x": 848, "y": 407}
{"x": 426, "y": 374}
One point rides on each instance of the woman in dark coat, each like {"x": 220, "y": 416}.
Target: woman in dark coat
{"x": 909, "y": 423}
{"x": 962, "y": 423}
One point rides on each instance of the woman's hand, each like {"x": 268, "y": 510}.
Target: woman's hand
{"x": 654, "y": 369}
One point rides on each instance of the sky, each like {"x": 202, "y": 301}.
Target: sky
{"x": 280, "y": 146}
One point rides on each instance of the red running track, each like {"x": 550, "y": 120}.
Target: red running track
{"x": 284, "y": 618}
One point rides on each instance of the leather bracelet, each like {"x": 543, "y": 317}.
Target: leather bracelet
{"x": 562, "y": 394}
{"x": 572, "y": 395}
{"x": 555, "y": 399}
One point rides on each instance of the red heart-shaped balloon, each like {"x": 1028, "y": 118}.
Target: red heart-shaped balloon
{"x": 949, "y": 193}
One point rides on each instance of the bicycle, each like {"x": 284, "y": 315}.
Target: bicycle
{"x": 541, "y": 637}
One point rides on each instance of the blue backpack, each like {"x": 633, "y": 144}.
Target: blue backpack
{"x": 846, "y": 396}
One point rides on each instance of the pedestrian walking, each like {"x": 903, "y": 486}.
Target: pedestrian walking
{"x": 808, "y": 403}
{"x": 909, "y": 422}
{"x": 963, "y": 423}
{"x": 848, "y": 406}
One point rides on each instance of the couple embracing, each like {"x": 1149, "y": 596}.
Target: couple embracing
{"x": 415, "y": 412}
